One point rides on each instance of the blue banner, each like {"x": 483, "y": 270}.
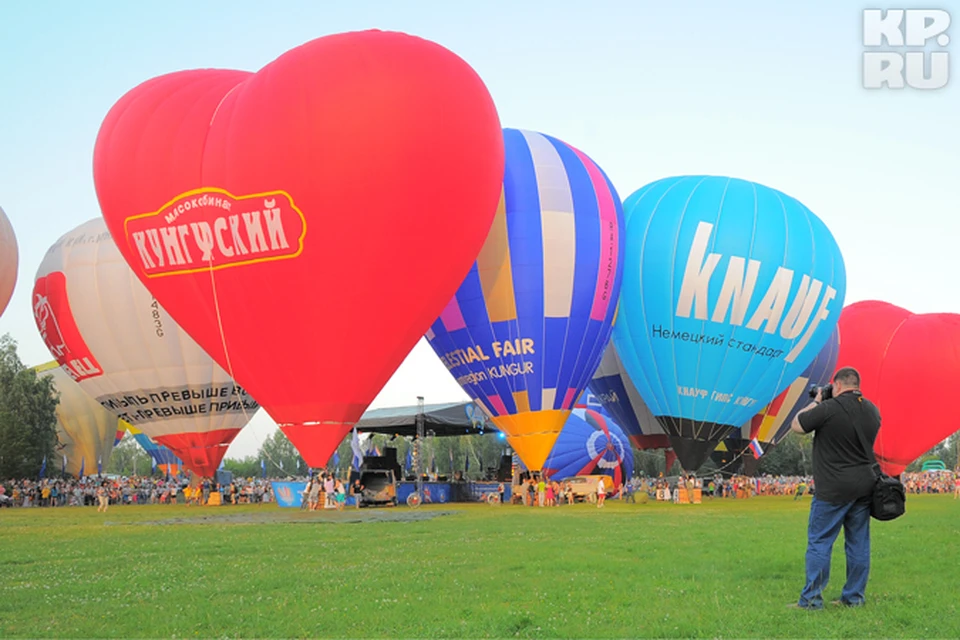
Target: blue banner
{"x": 289, "y": 494}
{"x": 433, "y": 492}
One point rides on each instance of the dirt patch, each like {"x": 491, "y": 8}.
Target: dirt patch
{"x": 300, "y": 517}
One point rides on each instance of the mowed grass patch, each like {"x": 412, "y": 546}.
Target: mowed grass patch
{"x": 724, "y": 569}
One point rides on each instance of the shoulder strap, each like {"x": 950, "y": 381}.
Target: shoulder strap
{"x": 867, "y": 449}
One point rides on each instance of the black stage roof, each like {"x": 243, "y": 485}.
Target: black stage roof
{"x": 449, "y": 419}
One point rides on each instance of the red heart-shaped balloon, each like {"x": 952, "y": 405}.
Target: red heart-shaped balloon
{"x": 305, "y": 224}
{"x": 899, "y": 355}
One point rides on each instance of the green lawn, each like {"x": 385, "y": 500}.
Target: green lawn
{"x": 722, "y": 569}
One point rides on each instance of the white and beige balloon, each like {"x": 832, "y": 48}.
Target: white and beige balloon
{"x": 110, "y": 335}
{"x": 9, "y": 258}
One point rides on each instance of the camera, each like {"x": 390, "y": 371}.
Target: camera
{"x": 826, "y": 391}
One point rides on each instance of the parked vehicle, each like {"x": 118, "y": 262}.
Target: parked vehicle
{"x": 585, "y": 487}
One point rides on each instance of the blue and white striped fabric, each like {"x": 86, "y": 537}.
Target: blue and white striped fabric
{"x": 529, "y": 324}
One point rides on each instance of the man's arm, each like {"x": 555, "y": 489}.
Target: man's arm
{"x": 815, "y": 412}
{"x": 795, "y": 425}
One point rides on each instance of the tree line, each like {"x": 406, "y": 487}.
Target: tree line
{"x": 28, "y": 418}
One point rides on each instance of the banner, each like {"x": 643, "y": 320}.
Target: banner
{"x": 289, "y": 494}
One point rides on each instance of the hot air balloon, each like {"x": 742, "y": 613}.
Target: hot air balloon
{"x": 590, "y": 443}
{"x": 112, "y": 337}
{"x": 612, "y": 387}
{"x": 166, "y": 460}
{"x": 8, "y": 261}
{"x": 893, "y": 350}
{"x": 306, "y": 223}
{"x": 527, "y": 327}
{"x": 163, "y": 458}
{"x": 730, "y": 289}
{"x": 772, "y": 424}
{"x": 88, "y": 428}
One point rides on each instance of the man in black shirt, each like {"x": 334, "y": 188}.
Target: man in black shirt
{"x": 844, "y": 476}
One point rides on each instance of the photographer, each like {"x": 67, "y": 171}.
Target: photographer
{"x": 844, "y": 477}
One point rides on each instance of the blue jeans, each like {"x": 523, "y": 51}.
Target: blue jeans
{"x": 825, "y": 522}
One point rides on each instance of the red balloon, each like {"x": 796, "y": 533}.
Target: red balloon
{"x": 307, "y": 223}
{"x": 893, "y": 349}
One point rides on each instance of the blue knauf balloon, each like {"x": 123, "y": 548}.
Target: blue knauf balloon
{"x": 729, "y": 289}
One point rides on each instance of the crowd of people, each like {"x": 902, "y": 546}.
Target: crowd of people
{"x": 932, "y": 482}
{"x": 718, "y": 486}
{"x": 330, "y": 491}
{"x": 103, "y": 492}
{"x": 327, "y": 491}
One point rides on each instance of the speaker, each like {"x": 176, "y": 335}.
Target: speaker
{"x": 390, "y": 453}
{"x": 386, "y": 461}
{"x": 506, "y": 465}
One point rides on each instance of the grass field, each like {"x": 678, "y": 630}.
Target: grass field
{"x": 720, "y": 570}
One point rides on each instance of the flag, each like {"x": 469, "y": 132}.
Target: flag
{"x": 82, "y": 463}
{"x": 43, "y": 467}
{"x": 357, "y": 451}
{"x": 63, "y": 466}
{"x": 99, "y": 466}
{"x": 409, "y": 458}
{"x": 298, "y": 464}
{"x": 451, "y": 461}
{"x": 336, "y": 458}
{"x": 153, "y": 466}
{"x": 281, "y": 465}
{"x": 263, "y": 467}
{"x": 755, "y": 448}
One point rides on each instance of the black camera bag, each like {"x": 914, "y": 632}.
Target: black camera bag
{"x": 889, "y": 499}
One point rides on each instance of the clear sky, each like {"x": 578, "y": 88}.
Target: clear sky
{"x": 767, "y": 90}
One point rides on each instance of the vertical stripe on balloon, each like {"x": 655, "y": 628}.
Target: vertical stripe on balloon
{"x": 609, "y": 240}
{"x": 522, "y": 196}
{"x": 496, "y": 272}
{"x": 580, "y": 348}
{"x": 451, "y": 317}
{"x": 558, "y": 226}
{"x": 497, "y": 403}
{"x": 522, "y": 400}
{"x": 549, "y": 398}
